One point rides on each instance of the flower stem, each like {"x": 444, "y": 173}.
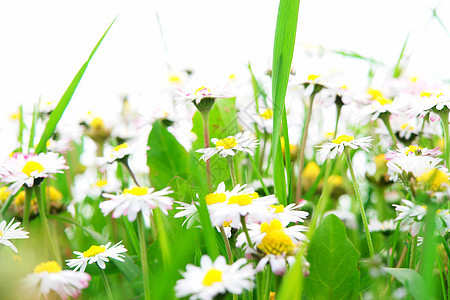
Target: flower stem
{"x": 444, "y": 119}
{"x": 412, "y": 261}
{"x": 227, "y": 245}
{"x": 244, "y": 227}
{"x": 27, "y": 206}
{"x": 232, "y": 171}
{"x": 144, "y": 261}
{"x": 106, "y": 284}
{"x": 385, "y": 118}
{"x": 361, "y": 206}
{"x": 127, "y": 166}
{"x": 205, "y": 119}
{"x": 45, "y": 225}
{"x": 298, "y": 194}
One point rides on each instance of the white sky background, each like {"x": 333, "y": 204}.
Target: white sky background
{"x": 44, "y": 43}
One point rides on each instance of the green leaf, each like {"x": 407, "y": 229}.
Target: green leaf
{"x": 65, "y": 99}
{"x": 411, "y": 280}
{"x": 334, "y": 272}
{"x": 166, "y": 158}
{"x": 283, "y": 51}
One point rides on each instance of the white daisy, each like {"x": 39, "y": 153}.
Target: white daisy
{"x": 214, "y": 278}
{"x": 386, "y": 226}
{"x": 428, "y": 102}
{"x": 330, "y": 150}
{"x": 378, "y": 105}
{"x": 412, "y": 218}
{"x": 30, "y": 169}
{"x": 119, "y": 152}
{"x": 49, "y": 276}
{"x": 242, "y": 141}
{"x": 412, "y": 150}
{"x": 201, "y": 93}
{"x": 135, "y": 200}
{"x": 9, "y": 232}
{"x": 288, "y": 214}
{"x": 415, "y": 165}
{"x": 98, "y": 254}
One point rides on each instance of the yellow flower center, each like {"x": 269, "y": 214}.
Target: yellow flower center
{"x": 226, "y": 143}
{"x": 413, "y": 149}
{"x": 313, "y": 77}
{"x": 343, "y": 138}
{"x": 32, "y": 166}
{"x": 1, "y": 233}
{"x": 335, "y": 180}
{"x": 344, "y": 87}
{"x": 101, "y": 183}
{"x": 48, "y": 144}
{"x": 413, "y": 79}
{"x": 137, "y": 191}
{"x": 215, "y": 198}
{"x": 374, "y": 93}
{"x": 121, "y": 146}
{"x": 212, "y": 276}
{"x": 380, "y": 161}
{"x": 275, "y": 241}
{"x": 278, "y": 208}
{"x": 243, "y": 200}
{"x": 226, "y": 224}
{"x": 93, "y": 251}
{"x": 407, "y": 126}
{"x": 383, "y": 101}
{"x": 53, "y": 194}
{"x": 97, "y": 123}
{"x": 311, "y": 171}
{"x": 174, "y": 79}
{"x": 435, "y": 179}
{"x": 4, "y": 194}
{"x": 267, "y": 114}
{"x": 49, "y": 266}
{"x": 425, "y": 94}
{"x": 202, "y": 90}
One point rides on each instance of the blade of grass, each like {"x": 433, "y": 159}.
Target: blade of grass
{"x": 21, "y": 128}
{"x": 33, "y": 125}
{"x": 397, "y": 70}
{"x": 283, "y": 52}
{"x": 65, "y": 99}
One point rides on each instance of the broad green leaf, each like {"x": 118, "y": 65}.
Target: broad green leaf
{"x": 65, "y": 99}
{"x": 166, "y": 158}
{"x": 283, "y": 51}
{"x": 334, "y": 272}
{"x": 411, "y": 280}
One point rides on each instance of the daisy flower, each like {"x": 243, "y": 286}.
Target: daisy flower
{"x": 386, "y": 226}
{"x": 378, "y": 105}
{"x": 411, "y": 165}
{"x": 97, "y": 254}
{"x": 288, "y": 214}
{"x": 119, "y": 152}
{"x": 412, "y": 150}
{"x": 242, "y": 141}
{"x": 331, "y": 149}
{"x": 428, "y": 103}
{"x": 30, "y": 169}
{"x": 9, "y": 232}
{"x": 274, "y": 242}
{"x": 197, "y": 95}
{"x": 412, "y": 217}
{"x": 49, "y": 276}
{"x": 135, "y": 200}
{"x": 214, "y": 278}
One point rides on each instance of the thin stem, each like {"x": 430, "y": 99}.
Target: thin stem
{"x": 444, "y": 119}
{"x": 267, "y": 283}
{"x": 127, "y": 166}
{"x": 205, "y": 119}
{"x": 361, "y": 206}
{"x": 232, "y": 171}
{"x": 227, "y": 245}
{"x": 144, "y": 261}
{"x": 338, "y": 115}
{"x": 298, "y": 194}
{"x": 45, "y": 225}
{"x": 244, "y": 227}
{"x": 27, "y": 206}
{"x": 106, "y": 284}
{"x": 385, "y": 118}
{"x": 412, "y": 261}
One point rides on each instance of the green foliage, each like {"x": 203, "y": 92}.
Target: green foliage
{"x": 65, "y": 99}
{"x": 411, "y": 280}
{"x": 334, "y": 272}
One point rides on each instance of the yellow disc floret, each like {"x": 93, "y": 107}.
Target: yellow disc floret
{"x": 425, "y": 94}
{"x": 93, "y": 251}
{"x": 203, "y": 90}
{"x": 121, "y": 146}
{"x": 313, "y": 77}
{"x": 4, "y": 193}
{"x": 267, "y": 114}
{"x": 49, "y": 266}
{"x": 101, "y": 183}
{"x": 212, "y": 276}
{"x": 97, "y": 123}
{"x": 275, "y": 241}
{"x": 53, "y": 194}
{"x": 413, "y": 149}
{"x": 343, "y": 138}
{"x": 136, "y": 191}
{"x": 215, "y": 198}
{"x": 435, "y": 180}
{"x": 374, "y": 93}
{"x": 243, "y": 200}
{"x": 226, "y": 143}
{"x": 278, "y": 208}
{"x": 32, "y": 166}
{"x": 383, "y": 100}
